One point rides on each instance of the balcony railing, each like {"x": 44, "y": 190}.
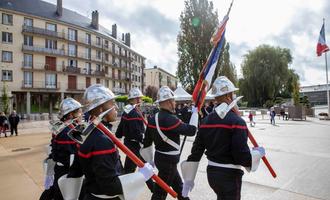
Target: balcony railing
{"x": 41, "y": 66}
{"x": 41, "y": 85}
{"x": 42, "y": 31}
{"x": 59, "y": 52}
{"x": 77, "y": 86}
{"x": 71, "y": 69}
{"x": 99, "y": 73}
{"x": 119, "y": 90}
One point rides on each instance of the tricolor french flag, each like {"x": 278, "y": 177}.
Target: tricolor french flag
{"x": 206, "y": 75}
{"x": 321, "y": 45}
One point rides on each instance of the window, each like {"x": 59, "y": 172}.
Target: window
{"x": 98, "y": 80}
{"x": 50, "y": 81}
{"x": 113, "y": 84}
{"x": 98, "y": 67}
{"x": 73, "y": 63}
{"x": 28, "y": 22}
{"x": 98, "y": 55}
{"x": 88, "y": 53}
{"x": 7, "y": 37}
{"x": 139, "y": 79}
{"x": 106, "y": 56}
{"x": 7, "y": 75}
{"x": 88, "y": 38}
{"x": 107, "y": 83}
{"x": 51, "y": 27}
{"x": 106, "y": 44}
{"x": 88, "y": 68}
{"x": 72, "y": 50}
{"x": 72, "y": 34}
{"x": 51, "y": 44}
{"x": 7, "y": 19}
{"x": 28, "y": 60}
{"x": 98, "y": 41}
{"x": 28, "y": 77}
{"x": 28, "y": 40}
{"x": 7, "y": 56}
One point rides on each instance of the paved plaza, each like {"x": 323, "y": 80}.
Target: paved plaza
{"x": 299, "y": 151}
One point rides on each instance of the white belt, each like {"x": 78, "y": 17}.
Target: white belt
{"x": 231, "y": 166}
{"x": 59, "y": 164}
{"x": 103, "y": 196}
{"x": 172, "y": 153}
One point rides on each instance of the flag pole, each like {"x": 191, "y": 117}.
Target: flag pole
{"x": 326, "y": 73}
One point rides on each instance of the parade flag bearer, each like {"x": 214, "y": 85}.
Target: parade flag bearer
{"x": 223, "y": 137}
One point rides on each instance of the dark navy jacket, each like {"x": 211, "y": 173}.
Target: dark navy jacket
{"x": 225, "y": 140}
{"x": 62, "y": 147}
{"x": 131, "y": 126}
{"x": 172, "y": 127}
{"x": 100, "y": 163}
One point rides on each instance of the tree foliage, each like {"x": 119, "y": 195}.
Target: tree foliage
{"x": 198, "y": 22}
{"x": 124, "y": 98}
{"x": 266, "y": 75}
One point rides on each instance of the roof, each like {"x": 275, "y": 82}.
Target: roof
{"x": 160, "y": 69}
{"x": 47, "y": 10}
{"x": 314, "y": 88}
{"x": 181, "y": 94}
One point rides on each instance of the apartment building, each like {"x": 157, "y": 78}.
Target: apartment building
{"x": 49, "y": 52}
{"x": 158, "y": 77}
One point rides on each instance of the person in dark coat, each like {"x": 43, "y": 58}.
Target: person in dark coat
{"x": 3, "y": 121}
{"x": 164, "y": 130}
{"x": 222, "y": 136}
{"x": 13, "y": 121}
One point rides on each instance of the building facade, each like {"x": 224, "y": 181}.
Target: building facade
{"x": 317, "y": 94}
{"x": 158, "y": 77}
{"x": 49, "y": 53}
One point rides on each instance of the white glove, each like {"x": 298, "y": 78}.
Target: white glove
{"x": 49, "y": 181}
{"x": 261, "y": 151}
{"x": 187, "y": 187}
{"x": 147, "y": 171}
{"x": 194, "y": 117}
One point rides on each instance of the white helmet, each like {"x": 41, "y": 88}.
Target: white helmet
{"x": 134, "y": 93}
{"x": 221, "y": 86}
{"x": 165, "y": 93}
{"x": 68, "y": 105}
{"x": 96, "y": 95}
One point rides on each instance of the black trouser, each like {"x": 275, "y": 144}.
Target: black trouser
{"x": 47, "y": 194}
{"x": 91, "y": 197}
{"x": 169, "y": 173}
{"x": 226, "y": 183}
{"x": 130, "y": 166}
{"x": 59, "y": 171}
{"x": 12, "y": 129}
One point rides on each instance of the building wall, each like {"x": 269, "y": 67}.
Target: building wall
{"x": 158, "y": 77}
{"x": 119, "y": 83}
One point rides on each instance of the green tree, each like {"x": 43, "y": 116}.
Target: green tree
{"x": 265, "y": 74}
{"x": 5, "y": 99}
{"x": 227, "y": 68}
{"x": 198, "y": 22}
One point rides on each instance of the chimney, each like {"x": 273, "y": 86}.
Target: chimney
{"x": 59, "y": 9}
{"x": 123, "y": 37}
{"x": 95, "y": 19}
{"x": 114, "y": 31}
{"x": 128, "y": 39}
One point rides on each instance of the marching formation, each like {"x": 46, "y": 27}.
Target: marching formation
{"x": 83, "y": 160}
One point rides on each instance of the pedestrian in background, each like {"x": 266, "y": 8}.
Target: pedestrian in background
{"x": 252, "y": 123}
{"x": 272, "y": 115}
{"x": 13, "y": 121}
{"x": 3, "y": 122}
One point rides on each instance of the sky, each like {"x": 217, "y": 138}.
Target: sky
{"x": 154, "y": 26}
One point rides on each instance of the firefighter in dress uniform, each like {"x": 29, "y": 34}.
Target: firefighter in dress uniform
{"x": 99, "y": 158}
{"x": 164, "y": 130}
{"x": 132, "y": 128}
{"x": 63, "y": 148}
{"x": 223, "y": 136}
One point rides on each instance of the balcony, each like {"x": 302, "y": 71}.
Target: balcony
{"x": 58, "y": 52}
{"x": 120, "y": 78}
{"x": 41, "y": 85}
{"x": 42, "y": 31}
{"x": 71, "y": 69}
{"x": 118, "y": 90}
{"x": 40, "y": 67}
{"x": 99, "y": 73}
